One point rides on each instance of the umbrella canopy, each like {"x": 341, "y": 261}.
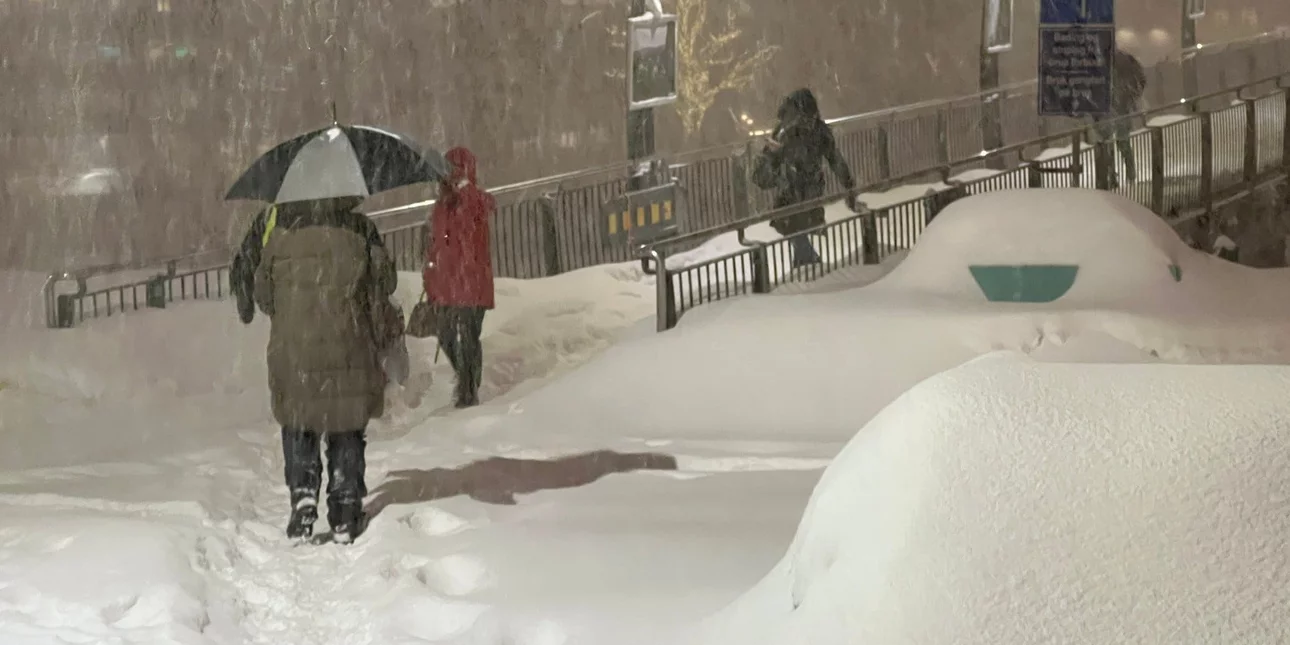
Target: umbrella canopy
{"x": 339, "y": 161}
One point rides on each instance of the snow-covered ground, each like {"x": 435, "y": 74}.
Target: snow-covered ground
{"x": 616, "y": 486}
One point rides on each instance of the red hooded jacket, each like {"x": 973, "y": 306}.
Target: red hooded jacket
{"x": 459, "y": 266}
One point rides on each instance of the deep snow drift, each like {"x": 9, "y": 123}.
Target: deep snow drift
{"x": 1010, "y": 501}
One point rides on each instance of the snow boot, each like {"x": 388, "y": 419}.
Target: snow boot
{"x": 304, "y": 513}
{"x": 303, "y": 470}
{"x": 348, "y": 523}
{"x": 346, "y": 488}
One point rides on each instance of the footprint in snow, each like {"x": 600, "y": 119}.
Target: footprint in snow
{"x": 456, "y": 575}
{"x": 434, "y": 522}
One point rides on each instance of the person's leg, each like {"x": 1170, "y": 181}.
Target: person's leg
{"x": 346, "y": 485}
{"x": 464, "y": 351}
{"x": 1124, "y": 141}
{"x": 473, "y": 353}
{"x": 303, "y": 471}
{"x": 1105, "y": 145}
{"x": 803, "y": 252}
{"x": 447, "y": 333}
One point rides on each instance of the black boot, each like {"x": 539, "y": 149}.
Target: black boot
{"x": 465, "y": 396}
{"x": 346, "y": 488}
{"x": 303, "y": 470}
{"x": 303, "y": 517}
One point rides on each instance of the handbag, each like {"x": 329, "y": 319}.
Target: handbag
{"x": 765, "y": 174}
{"x": 424, "y": 320}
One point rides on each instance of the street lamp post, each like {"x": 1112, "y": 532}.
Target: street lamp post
{"x": 1191, "y": 10}
{"x": 996, "y": 38}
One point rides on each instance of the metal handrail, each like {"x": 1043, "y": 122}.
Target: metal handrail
{"x": 646, "y": 251}
{"x": 558, "y": 180}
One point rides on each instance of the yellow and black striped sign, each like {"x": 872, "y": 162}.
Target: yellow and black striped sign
{"x": 642, "y": 215}
{"x": 659, "y": 213}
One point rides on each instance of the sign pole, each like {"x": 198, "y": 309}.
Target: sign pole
{"x": 640, "y": 122}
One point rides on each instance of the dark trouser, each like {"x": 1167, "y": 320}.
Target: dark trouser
{"x": 1122, "y": 132}
{"x": 346, "y": 463}
{"x": 459, "y": 331}
{"x": 803, "y": 252}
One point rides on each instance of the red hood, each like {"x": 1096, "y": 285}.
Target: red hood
{"x": 463, "y": 166}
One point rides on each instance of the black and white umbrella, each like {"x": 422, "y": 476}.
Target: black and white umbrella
{"x": 338, "y": 161}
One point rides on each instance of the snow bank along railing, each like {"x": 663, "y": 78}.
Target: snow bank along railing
{"x": 1190, "y": 167}
{"x": 547, "y": 226}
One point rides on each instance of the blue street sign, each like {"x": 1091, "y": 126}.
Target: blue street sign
{"x": 1076, "y": 12}
{"x": 1075, "y": 70}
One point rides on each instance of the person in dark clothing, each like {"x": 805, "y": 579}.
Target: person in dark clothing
{"x": 322, "y": 266}
{"x": 459, "y": 271}
{"x": 1129, "y": 81}
{"x": 791, "y": 164}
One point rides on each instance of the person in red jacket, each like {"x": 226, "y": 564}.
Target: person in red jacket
{"x": 459, "y": 271}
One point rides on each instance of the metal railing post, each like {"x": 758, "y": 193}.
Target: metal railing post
{"x": 1077, "y": 159}
{"x": 550, "y": 235}
{"x": 884, "y": 149}
{"x": 943, "y": 135}
{"x": 1251, "y": 160}
{"x": 664, "y": 293}
{"x": 869, "y": 238}
{"x": 47, "y": 294}
{"x": 1207, "y": 161}
{"x": 761, "y": 269}
{"x": 1285, "y": 126}
{"x": 1157, "y": 170}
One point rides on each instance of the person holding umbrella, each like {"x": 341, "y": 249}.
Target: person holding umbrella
{"x": 322, "y": 269}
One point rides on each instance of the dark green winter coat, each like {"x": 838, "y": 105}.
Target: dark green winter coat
{"x": 322, "y": 267}
{"x": 795, "y": 171}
